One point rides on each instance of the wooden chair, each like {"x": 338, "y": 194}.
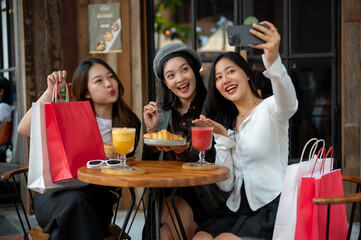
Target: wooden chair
{"x": 36, "y": 233}
{"x": 351, "y": 198}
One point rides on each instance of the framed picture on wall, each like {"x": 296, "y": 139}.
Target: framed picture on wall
{"x": 104, "y": 28}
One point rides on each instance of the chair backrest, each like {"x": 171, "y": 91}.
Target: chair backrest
{"x": 5, "y": 133}
{"x": 10, "y": 129}
{"x": 11, "y": 179}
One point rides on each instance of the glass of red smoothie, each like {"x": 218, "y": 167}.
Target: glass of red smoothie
{"x": 202, "y": 141}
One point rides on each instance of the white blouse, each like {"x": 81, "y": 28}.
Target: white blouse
{"x": 258, "y": 153}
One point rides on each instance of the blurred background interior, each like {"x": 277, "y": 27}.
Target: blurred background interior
{"x": 321, "y": 48}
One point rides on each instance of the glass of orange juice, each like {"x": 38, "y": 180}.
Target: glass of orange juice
{"x": 123, "y": 142}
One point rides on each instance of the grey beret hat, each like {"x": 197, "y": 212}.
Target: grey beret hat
{"x": 172, "y": 48}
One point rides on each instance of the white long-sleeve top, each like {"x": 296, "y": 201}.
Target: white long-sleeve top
{"x": 258, "y": 153}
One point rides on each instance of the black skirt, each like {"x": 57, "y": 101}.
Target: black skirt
{"x": 244, "y": 222}
{"x": 83, "y": 213}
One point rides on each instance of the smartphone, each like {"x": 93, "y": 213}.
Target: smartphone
{"x": 239, "y": 35}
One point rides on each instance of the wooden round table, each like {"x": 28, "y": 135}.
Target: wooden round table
{"x": 158, "y": 174}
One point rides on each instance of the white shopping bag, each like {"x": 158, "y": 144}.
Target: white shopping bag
{"x": 285, "y": 224}
{"x": 39, "y": 176}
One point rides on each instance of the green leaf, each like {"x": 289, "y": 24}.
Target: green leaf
{"x": 250, "y": 20}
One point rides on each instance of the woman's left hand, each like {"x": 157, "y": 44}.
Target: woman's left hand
{"x": 271, "y": 38}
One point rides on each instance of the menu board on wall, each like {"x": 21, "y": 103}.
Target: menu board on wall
{"x": 104, "y": 28}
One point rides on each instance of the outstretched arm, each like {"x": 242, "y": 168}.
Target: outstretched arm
{"x": 52, "y": 79}
{"x": 282, "y": 86}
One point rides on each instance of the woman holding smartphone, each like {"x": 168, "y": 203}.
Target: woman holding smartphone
{"x": 251, "y": 136}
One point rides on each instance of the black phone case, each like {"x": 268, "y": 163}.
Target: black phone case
{"x": 239, "y": 35}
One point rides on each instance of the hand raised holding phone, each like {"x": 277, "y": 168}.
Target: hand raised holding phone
{"x": 240, "y": 35}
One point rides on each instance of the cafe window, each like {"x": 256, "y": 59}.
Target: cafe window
{"x": 309, "y": 50}
{"x": 7, "y": 49}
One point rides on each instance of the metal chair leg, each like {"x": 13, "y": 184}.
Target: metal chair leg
{"x": 127, "y": 216}
{"x": 328, "y": 220}
{"x": 16, "y": 206}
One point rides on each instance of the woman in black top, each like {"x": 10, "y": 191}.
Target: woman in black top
{"x": 177, "y": 68}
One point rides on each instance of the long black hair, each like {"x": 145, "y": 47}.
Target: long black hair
{"x": 122, "y": 115}
{"x": 168, "y": 95}
{"x": 227, "y": 113}
{"x": 5, "y": 85}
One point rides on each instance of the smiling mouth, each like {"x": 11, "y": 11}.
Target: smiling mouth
{"x": 230, "y": 88}
{"x": 183, "y": 87}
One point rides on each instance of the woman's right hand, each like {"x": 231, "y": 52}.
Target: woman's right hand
{"x": 54, "y": 78}
{"x": 151, "y": 117}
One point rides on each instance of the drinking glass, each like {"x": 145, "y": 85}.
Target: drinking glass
{"x": 202, "y": 141}
{"x": 109, "y": 150}
{"x": 123, "y": 142}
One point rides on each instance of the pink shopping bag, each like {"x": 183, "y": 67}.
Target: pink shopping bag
{"x": 312, "y": 219}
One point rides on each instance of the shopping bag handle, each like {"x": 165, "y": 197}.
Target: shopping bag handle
{"x": 69, "y": 90}
{"x": 324, "y": 157}
{"x": 313, "y": 148}
{"x": 324, "y": 160}
{"x": 56, "y": 93}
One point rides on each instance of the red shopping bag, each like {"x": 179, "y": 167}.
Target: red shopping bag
{"x": 330, "y": 185}
{"x": 312, "y": 219}
{"x": 287, "y": 209}
{"x": 39, "y": 175}
{"x": 305, "y": 209}
{"x": 73, "y": 138}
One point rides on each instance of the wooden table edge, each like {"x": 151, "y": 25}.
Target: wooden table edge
{"x": 151, "y": 178}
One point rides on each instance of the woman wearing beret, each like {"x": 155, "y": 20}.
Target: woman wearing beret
{"x": 177, "y": 67}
